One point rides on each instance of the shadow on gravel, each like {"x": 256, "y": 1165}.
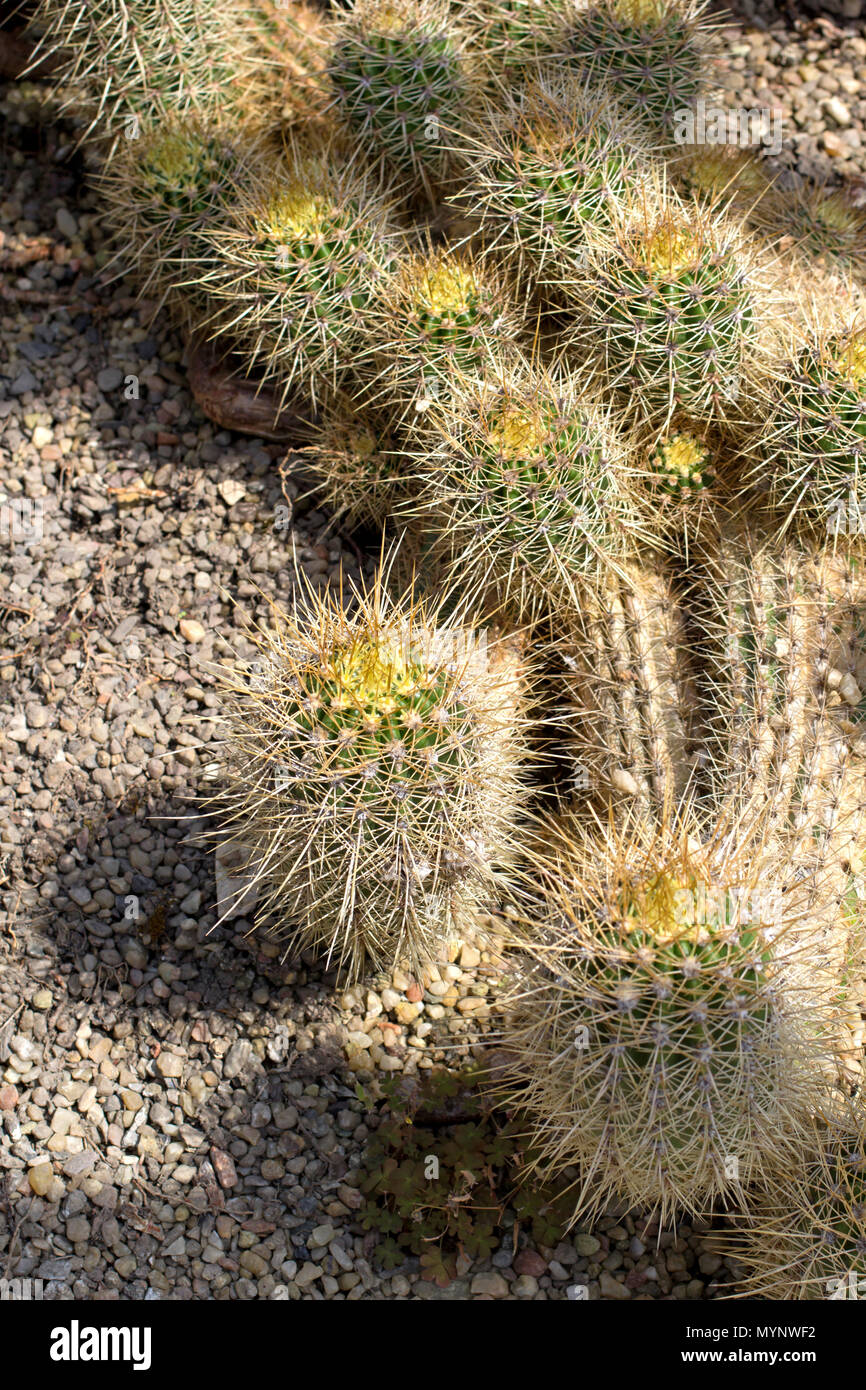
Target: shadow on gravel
{"x": 185, "y": 1031}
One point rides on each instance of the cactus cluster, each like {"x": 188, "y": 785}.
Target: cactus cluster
{"x": 553, "y": 348}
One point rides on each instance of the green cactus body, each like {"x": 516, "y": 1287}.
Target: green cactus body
{"x": 817, "y": 436}
{"x": 668, "y": 1027}
{"x": 561, "y": 159}
{"x": 359, "y": 472}
{"x": 168, "y": 190}
{"x": 142, "y": 60}
{"x": 514, "y": 36}
{"x": 653, "y": 52}
{"x": 398, "y": 79}
{"x": 375, "y": 779}
{"x": 806, "y": 1237}
{"x": 630, "y": 694}
{"x": 526, "y": 485}
{"x": 675, "y": 311}
{"x": 444, "y": 318}
{"x": 301, "y": 260}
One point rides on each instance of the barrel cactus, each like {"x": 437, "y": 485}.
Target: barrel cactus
{"x": 166, "y": 192}
{"x": 130, "y": 61}
{"x": 675, "y": 305}
{"x": 655, "y": 53}
{"x": 670, "y": 1031}
{"x": 549, "y": 162}
{"x": 812, "y": 464}
{"x": 399, "y": 83}
{"x": 528, "y": 482}
{"x": 298, "y": 263}
{"x": 785, "y": 721}
{"x": 514, "y": 36}
{"x": 805, "y": 1237}
{"x": 445, "y": 316}
{"x": 374, "y": 776}
{"x": 628, "y": 705}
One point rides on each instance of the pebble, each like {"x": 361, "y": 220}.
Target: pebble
{"x": 109, "y": 379}
{"x": 237, "y": 1058}
{"x": 586, "y": 1244}
{"x": 168, "y": 1064}
{"x": 191, "y": 630}
{"x": 530, "y": 1262}
{"x": 491, "y": 1283}
{"x": 611, "y": 1288}
{"x": 40, "y": 1177}
{"x": 66, "y": 223}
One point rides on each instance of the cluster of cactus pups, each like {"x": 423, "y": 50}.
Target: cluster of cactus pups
{"x": 606, "y": 393}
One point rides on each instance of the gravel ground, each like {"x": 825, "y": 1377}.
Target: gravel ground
{"x": 180, "y": 1112}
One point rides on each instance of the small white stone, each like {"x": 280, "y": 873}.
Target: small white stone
{"x": 849, "y": 690}
{"x": 231, "y": 491}
{"x": 837, "y": 111}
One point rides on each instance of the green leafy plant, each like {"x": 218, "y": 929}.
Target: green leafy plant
{"x": 440, "y": 1171}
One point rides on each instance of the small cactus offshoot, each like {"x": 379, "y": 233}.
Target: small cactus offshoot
{"x": 375, "y": 776}
{"x": 723, "y": 174}
{"x": 680, "y": 464}
{"x": 828, "y": 230}
{"x": 359, "y": 471}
